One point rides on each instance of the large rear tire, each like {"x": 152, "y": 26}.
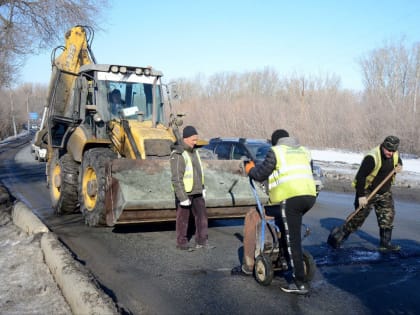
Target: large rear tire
{"x": 93, "y": 184}
{"x": 308, "y": 265}
{"x": 63, "y": 175}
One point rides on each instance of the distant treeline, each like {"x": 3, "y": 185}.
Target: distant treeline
{"x": 317, "y": 110}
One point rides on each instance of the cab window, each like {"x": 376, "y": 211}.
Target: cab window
{"x": 223, "y": 151}
{"x": 238, "y": 152}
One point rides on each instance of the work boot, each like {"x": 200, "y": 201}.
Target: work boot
{"x": 185, "y": 248}
{"x": 385, "y": 243}
{"x": 242, "y": 270}
{"x": 296, "y": 287}
{"x": 205, "y": 246}
{"x": 337, "y": 236}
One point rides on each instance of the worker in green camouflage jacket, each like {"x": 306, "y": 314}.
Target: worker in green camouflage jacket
{"x": 375, "y": 167}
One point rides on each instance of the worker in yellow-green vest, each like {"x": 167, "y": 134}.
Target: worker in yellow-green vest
{"x": 375, "y": 167}
{"x": 188, "y": 183}
{"x": 291, "y": 189}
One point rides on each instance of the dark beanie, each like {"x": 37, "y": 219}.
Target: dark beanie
{"x": 189, "y": 131}
{"x": 279, "y": 133}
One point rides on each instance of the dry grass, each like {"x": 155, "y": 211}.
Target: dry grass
{"x": 322, "y": 115}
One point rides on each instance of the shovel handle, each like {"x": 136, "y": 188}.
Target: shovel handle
{"x": 372, "y": 194}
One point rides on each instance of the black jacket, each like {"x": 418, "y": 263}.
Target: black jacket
{"x": 367, "y": 166}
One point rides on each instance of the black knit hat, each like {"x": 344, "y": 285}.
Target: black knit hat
{"x": 391, "y": 143}
{"x": 189, "y": 131}
{"x": 279, "y": 133}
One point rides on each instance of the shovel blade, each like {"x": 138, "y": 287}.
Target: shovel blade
{"x": 336, "y": 237}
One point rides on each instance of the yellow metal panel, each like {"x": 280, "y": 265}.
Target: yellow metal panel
{"x": 78, "y": 141}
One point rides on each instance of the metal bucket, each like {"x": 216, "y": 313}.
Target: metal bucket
{"x": 141, "y": 191}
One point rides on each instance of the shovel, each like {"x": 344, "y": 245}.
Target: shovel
{"x": 336, "y": 236}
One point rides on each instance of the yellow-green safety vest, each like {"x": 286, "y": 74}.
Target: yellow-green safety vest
{"x": 292, "y": 175}
{"x": 189, "y": 172}
{"x": 376, "y": 154}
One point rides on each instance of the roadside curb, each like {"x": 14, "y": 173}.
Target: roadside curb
{"x": 24, "y": 218}
{"x": 77, "y": 285}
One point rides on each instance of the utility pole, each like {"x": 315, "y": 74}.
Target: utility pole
{"x": 27, "y": 111}
{"x": 12, "y": 110}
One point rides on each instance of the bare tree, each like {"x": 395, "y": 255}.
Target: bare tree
{"x": 391, "y": 77}
{"x": 416, "y": 74}
{"x": 16, "y": 104}
{"x": 389, "y": 71}
{"x": 28, "y": 27}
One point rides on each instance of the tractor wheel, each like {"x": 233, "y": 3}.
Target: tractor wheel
{"x": 62, "y": 176}
{"x": 92, "y": 185}
{"x": 263, "y": 269}
{"x": 308, "y": 265}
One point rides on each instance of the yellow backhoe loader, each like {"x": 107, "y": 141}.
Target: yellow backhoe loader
{"x": 109, "y": 144}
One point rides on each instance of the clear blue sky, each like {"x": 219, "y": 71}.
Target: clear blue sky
{"x": 185, "y": 38}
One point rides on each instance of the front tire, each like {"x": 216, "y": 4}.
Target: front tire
{"x": 263, "y": 269}
{"x": 63, "y": 175}
{"x": 93, "y": 185}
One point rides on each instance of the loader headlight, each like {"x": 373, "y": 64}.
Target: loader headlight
{"x": 139, "y": 71}
{"x": 147, "y": 71}
{"x": 97, "y": 118}
{"x": 116, "y": 69}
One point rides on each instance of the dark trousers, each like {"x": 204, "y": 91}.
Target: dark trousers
{"x": 293, "y": 210}
{"x": 199, "y": 211}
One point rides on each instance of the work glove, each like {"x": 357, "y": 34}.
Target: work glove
{"x": 185, "y": 203}
{"x": 249, "y": 166}
{"x": 398, "y": 168}
{"x": 204, "y": 193}
{"x": 363, "y": 202}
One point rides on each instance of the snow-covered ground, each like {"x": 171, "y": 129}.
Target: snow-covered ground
{"x": 411, "y": 163}
{"x": 28, "y": 286}
{"x": 344, "y": 164}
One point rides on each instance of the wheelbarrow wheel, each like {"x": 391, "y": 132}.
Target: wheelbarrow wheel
{"x": 308, "y": 265}
{"x": 264, "y": 271}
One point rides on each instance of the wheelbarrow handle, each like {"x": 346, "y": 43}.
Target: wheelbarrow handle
{"x": 257, "y": 199}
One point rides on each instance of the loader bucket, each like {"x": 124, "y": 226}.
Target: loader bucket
{"x": 141, "y": 191}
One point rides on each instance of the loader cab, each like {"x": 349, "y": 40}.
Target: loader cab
{"x": 135, "y": 99}
{"x": 139, "y": 93}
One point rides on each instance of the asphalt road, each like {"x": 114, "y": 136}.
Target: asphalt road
{"x": 139, "y": 267}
